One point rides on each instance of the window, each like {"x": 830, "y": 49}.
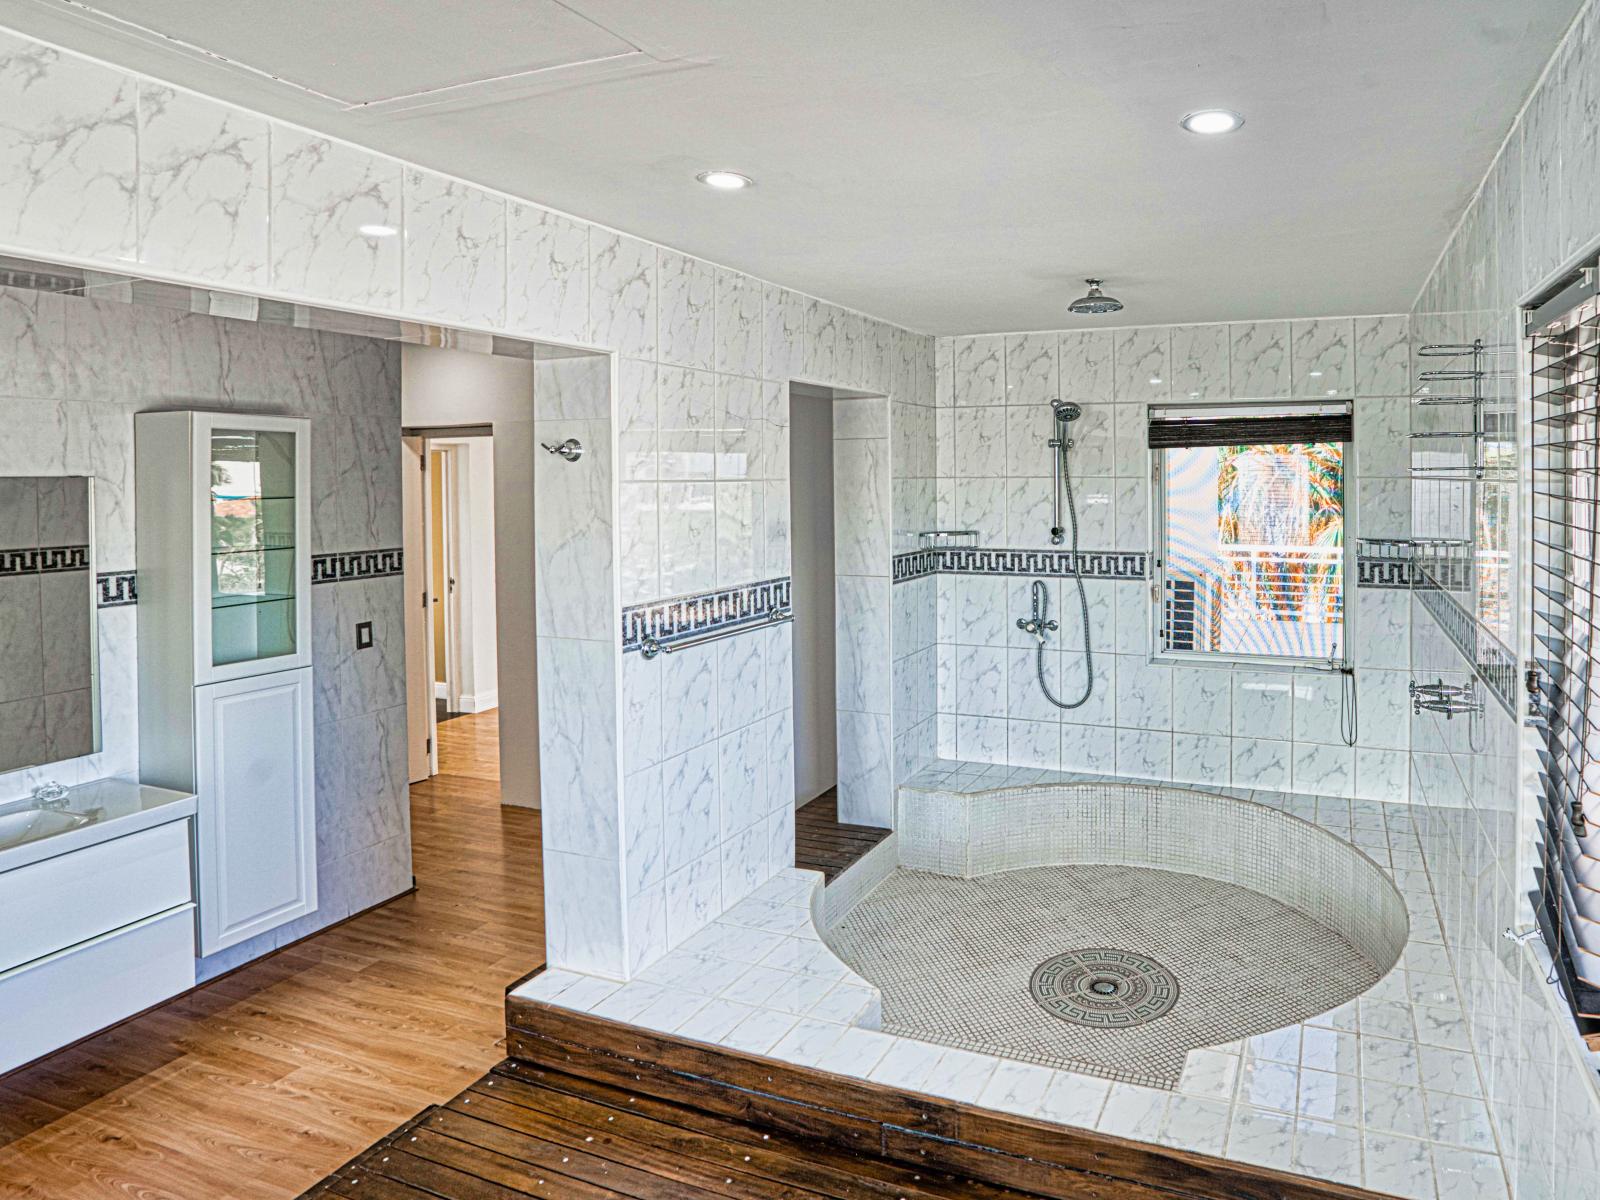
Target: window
{"x": 1251, "y": 546}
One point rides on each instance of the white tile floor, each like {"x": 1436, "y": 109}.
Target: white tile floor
{"x": 1381, "y": 1092}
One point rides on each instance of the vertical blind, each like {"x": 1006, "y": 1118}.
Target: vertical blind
{"x": 1564, "y": 355}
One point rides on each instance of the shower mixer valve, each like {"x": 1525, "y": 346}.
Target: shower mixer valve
{"x": 1039, "y": 623}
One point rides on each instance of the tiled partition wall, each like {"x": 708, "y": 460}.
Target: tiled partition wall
{"x": 1537, "y": 212}
{"x": 1250, "y": 728}
{"x": 105, "y": 168}
{"x": 73, "y": 373}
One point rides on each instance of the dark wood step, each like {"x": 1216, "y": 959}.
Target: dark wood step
{"x": 860, "y": 1121}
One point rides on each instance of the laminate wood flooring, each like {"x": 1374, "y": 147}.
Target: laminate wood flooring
{"x": 260, "y": 1083}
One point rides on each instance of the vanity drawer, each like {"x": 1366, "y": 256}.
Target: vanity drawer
{"x": 68, "y": 899}
{"x": 70, "y": 995}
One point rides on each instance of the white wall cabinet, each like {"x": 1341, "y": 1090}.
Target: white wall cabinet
{"x": 225, "y": 677}
{"x": 257, "y": 846}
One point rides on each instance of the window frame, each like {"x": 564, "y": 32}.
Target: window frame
{"x": 1227, "y": 658}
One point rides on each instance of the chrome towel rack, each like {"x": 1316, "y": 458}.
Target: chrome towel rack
{"x": 650, "y": 647}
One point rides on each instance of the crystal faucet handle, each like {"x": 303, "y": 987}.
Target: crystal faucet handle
{"x": 50, "y": 793}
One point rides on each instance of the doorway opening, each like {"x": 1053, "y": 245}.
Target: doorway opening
{"x": 837, "y": 462}
{"x": 453, "y": 652}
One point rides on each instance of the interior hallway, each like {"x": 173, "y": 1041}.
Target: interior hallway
{"x": 260, "y": 1083}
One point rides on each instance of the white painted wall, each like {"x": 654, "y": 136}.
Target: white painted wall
{"x": 816, "y": 745}
{"x": 475, "y": 572}
{"x": 453, "y": 387}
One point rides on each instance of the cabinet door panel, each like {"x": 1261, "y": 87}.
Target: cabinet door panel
{"x": 257, "y": 831}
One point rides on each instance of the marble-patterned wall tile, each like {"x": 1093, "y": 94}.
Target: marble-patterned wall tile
{"x": 1259, "y": 359}
{"x": 1321, "y": 358}
{"x": 866, "y": 785}
{"x": 331, "y": 204}
{"x": 1577, "y": 79}
{"x": 584, "y": 917}
{"x": 861, "y": 506}
{"x": 784, "y": 330}
{"x": 1085, "y": 359}
{"x": 455, "y": 253}
{"x": 1199, "y": 362}
{"x": 33, "y": 330}
{"x": 547, "y": 273}
{"x": 1542, "y": 233}
{"x": 979, "y": 371}
{"x": 739, "y": 342}
{"x": 573, "y": 537}
{"x": 68, "y": 153}
{"x": 578, "y": 746}
{"x": 1032, "y": 373}
{"x": 688, "y": 520}
{"x": 1383, "y": 356}
{"x": 1139, "y": 361}
{"x": 822, "y": 341}
{"x": 687, "y": 289}
{"x": 861, "y": 610}
{"x": 623, "y": 295}
{"x": 944, "y": 383}
{"x": 203, "y": 197}
{"x": 691, "y": 806}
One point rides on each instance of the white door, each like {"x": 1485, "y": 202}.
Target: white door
{"x": 418, "y": 618}
{"x": 257, "y": 829}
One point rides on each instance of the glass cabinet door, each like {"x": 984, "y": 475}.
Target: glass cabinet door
{"x": 252, "y": 510}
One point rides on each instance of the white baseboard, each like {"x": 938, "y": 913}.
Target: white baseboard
{"x": 479, "y": 702}
{"x": 441, "y": 691}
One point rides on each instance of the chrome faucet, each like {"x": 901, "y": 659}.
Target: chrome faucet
{"x": 1038, "y": 624}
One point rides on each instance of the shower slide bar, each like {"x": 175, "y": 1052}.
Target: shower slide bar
{"x": 650, "y": 647}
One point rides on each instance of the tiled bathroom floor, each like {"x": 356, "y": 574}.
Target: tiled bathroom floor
{"x": 1381, "y": 1092}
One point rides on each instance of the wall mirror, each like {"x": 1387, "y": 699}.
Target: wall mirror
{"x": 49, "y": 699}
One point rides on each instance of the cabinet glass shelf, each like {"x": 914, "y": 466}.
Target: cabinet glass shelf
{"x": 252, "y": 538}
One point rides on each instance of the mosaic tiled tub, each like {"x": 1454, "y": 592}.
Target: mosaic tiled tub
{"x": 1113, "y": 928}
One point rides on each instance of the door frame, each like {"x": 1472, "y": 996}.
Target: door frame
{"x": 422, "y": 740}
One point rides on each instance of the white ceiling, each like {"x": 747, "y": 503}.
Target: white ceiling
{"x": 953, "y": 166}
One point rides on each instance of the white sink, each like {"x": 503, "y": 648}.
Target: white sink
{"x": 30, "y": 824}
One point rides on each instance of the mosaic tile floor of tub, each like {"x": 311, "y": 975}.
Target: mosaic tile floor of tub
{"x": 1382, "y": 1092}
{"x": 954, "y": 959}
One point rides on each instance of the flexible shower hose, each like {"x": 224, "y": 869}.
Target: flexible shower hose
{"x": 1083, "y": 599}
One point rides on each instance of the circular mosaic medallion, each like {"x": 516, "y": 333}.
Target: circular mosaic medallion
{"x": 1102, "y": 987}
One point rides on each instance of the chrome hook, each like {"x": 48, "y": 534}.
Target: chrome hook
{"x": 571, "y": 449}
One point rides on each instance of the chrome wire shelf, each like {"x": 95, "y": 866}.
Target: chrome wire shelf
{"x": 1475, "y": 468}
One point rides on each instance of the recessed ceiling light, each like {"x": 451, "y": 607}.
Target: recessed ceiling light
{"x": 1212, "y": 120}
{"x": 725, "y": 181}
{"x": 377, "y": 231}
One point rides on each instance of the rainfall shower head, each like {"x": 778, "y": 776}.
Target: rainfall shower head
{"x": 1096, "y": 303}
{"x": 1066, "y": 410}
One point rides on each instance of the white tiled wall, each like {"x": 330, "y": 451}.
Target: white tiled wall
{"x": 1199, "y": 724}
{"x": 126, "y": 174}
{"x": 73, "y": 372}
{"x": 1537, "y": 211}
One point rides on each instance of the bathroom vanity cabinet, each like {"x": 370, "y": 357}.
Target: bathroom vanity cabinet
{"x": 225, "y": 701}
{"x": 99, "y": 912}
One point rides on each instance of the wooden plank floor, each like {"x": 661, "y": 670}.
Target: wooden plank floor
{"x": 822, "y": 843}
{"x": 260, "y": 1083}
{"x": 521, "y": 1131}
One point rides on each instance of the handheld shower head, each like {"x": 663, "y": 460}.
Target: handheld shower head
{"x": 1066, "y": 410}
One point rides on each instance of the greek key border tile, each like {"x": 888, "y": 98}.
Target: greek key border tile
{"x": 1380, "y": 563}
{"x": 679, "y": 617}
{"x": 349, "y": 565}
{"x": 117, "y": 589}
{"x": 963, "y": 560}
{"x": 43, "y": 560}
